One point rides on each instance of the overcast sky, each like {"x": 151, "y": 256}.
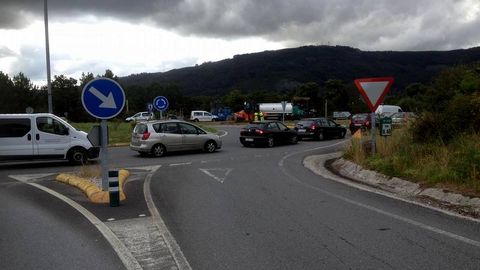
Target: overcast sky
{"x": 150, "y": 36}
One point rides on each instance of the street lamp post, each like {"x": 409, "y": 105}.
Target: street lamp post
{"x": 47, "y": 47}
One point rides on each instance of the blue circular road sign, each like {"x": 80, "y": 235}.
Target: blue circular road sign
{"x": 160, "y": 103}
{"x": 103, "y": 98}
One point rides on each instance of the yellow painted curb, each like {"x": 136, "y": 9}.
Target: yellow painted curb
{"x": 94, "y": 193}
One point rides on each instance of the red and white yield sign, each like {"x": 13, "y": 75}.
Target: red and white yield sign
{"x": 374, "y": 90}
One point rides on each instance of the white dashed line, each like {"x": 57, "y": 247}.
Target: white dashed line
{"x": 180, "y": 164}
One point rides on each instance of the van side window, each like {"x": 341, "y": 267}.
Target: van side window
{"x": 50, "y": 125}
{"x": 14, "y": 127}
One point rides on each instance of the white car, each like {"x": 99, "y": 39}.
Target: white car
{"x": 202, "y": 116}
{"x": 140, "y": 116}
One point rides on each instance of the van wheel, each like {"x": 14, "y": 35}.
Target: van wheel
{"x": 210, "y": 147}
{"x": 77, "y": 156}
{"x": 158, "y": 150}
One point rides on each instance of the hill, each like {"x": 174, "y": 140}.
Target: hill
{"x": 284, "y": 69}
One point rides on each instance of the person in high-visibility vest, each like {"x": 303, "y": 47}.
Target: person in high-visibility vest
{"x": 256, "y": 116}
{"x": 260, "y": 114}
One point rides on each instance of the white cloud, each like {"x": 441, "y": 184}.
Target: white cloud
{"x": 94, "y": 46}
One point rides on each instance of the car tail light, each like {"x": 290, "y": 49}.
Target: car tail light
{"x": 313, "y": 127}
{"x": 259, "y": 131}
{"x": 367, "y": 123}
{"x": 146, "y": 135}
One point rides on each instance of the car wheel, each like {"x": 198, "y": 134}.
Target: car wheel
{"x": 342, "y": 134}
{"x": 210, "y": 147}
{"x": 320, "y": 136}
{"x": 158, "y": 150}
{"x": 270, "y": 142}
{"x": 77, "y": 156}
{"x": 294, "y": 140}
{"x": 195, "y": 120}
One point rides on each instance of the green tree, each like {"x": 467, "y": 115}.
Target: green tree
{"x": 235, "y": 99}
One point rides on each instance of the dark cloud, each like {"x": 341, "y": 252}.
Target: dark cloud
{"x": 30, "y": 64}
{"x": 366, "y": 24}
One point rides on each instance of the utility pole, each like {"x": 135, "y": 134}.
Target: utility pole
{"x": 47, "y": 47}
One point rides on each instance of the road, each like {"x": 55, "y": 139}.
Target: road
{"x": 38, "y": 231}
{"x": 259, "y": 208}
{"x": 239, "y": 208}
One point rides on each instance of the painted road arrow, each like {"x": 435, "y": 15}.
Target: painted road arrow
{"x": 219, "y": 174}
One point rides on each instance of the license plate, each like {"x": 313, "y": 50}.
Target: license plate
{"x": 302, "y": 130}
{"x": 249, "y": 139}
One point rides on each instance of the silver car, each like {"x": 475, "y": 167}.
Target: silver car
{"x": 160, "y": 137}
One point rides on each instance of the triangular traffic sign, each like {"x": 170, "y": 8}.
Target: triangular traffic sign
{"x": 374, "y": 90}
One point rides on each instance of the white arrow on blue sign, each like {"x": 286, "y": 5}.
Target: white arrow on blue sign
{"x": 103, "y": 98}
{"x": 160, "y": 103}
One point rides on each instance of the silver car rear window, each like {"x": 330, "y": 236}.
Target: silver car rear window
{"x": 140, "y": 129}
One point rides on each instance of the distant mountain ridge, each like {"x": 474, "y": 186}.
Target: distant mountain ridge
{"x": 287, "y": 68}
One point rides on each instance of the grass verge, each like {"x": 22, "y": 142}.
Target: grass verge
{"x": 454, "y": 167}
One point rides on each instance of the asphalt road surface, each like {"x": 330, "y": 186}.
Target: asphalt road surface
{"x": 38, "y": 231}
{"x": 259, "y": 208}
{"x": 240, "y": 208}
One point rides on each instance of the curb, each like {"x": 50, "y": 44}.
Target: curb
{"x": 93, "y": 192}
{"x": 344, "y": 171}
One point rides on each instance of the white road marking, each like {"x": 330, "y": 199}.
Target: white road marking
{"x": 142, "y": 215}
{"x": 30, "y": 177}
{"x": 123, "y": 253}
{"x": 111, "y": 219}
{"x": 371, "y": 208}
{"x": 180, "y": 164}
{"x": 222, "y": 171}
{"x": 171, "y": 243}
{"x": 224, "y": 134}
{"x": 210, "y": 161}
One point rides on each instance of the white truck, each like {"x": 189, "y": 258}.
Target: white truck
{"x": 275, "y": 110}
{"x": 387, "y": 110}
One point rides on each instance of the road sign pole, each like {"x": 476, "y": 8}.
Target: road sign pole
{"x": 104, "y": 154}
{"x": 373, "y": 129}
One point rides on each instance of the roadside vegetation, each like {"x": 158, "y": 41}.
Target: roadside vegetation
{"x": 440, "y": 148}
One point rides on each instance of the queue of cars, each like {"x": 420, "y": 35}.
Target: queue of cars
{"x": 156, "y": 138}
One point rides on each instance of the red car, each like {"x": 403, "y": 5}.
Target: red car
{"x": 358, "y": 121}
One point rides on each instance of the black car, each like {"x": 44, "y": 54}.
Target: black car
{"x": 319, "y": 128}
{"x": 268, "y": 133}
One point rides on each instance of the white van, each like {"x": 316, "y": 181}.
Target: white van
{"x": 202, "y": 116}
{"x": 43, "y": 135}
{"x": 387, "y": 110}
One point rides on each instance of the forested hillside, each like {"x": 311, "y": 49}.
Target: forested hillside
{"x": 286, "y": 69}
